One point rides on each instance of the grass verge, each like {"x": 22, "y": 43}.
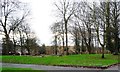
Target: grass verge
{"x": 75, "y": 60}
{"x": 11, "y": 69}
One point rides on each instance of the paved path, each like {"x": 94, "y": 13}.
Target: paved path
{"x": 43, "y": 67}
{"x": 117, "y": 67}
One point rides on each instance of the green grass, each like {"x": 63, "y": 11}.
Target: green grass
{"x": 11, "y": 69}
{"x": 77, "y": 60}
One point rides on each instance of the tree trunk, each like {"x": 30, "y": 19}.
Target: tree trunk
{"x": 14, "y": 44}
{"x": 63, "y": 39}
{"x": 66, "y": 38}
{"x": 28, "y": 51}
{"x": 63, "y": 44}
{"x": 103, "y": 52}
{"x": 55, "y": 45}
{"x": 21, "y": 43}
{"x": 7, "y": 45}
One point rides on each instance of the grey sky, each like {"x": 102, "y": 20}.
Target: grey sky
{"x": 43, "y": 16}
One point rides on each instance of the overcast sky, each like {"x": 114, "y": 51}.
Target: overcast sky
{"x": 42, "y": 17}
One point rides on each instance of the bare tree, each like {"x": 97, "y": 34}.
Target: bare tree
{"x": 58, "y": 29}
{"x": 83, "y": 15}
{"x": 98, "y": 19}
{"x": 76, "y": 37}
{"x": 9, "y": 10}
{"x": 66, "y": 9}
{"x": 25, "y": 35}
{"x": 102, "y": 19}
{"x": 115, "y": 12}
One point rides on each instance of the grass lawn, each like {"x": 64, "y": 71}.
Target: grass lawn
{"x": 10, "y": 69}
{"x": 77, "y": 60}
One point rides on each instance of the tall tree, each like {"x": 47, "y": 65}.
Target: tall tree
{"x": 76, "y": 37}
{"x": 65, "y": 10}
{"x": 108, "y": 25}
{"x": 9, "y": 11}
{"x": 83, "y": 15}
{"x": 98, "y": 18}
{"x": 58, "y": 29}
{"x": 115, "y": 12}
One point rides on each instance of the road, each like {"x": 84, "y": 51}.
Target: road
{"x": 58, "y": 68}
